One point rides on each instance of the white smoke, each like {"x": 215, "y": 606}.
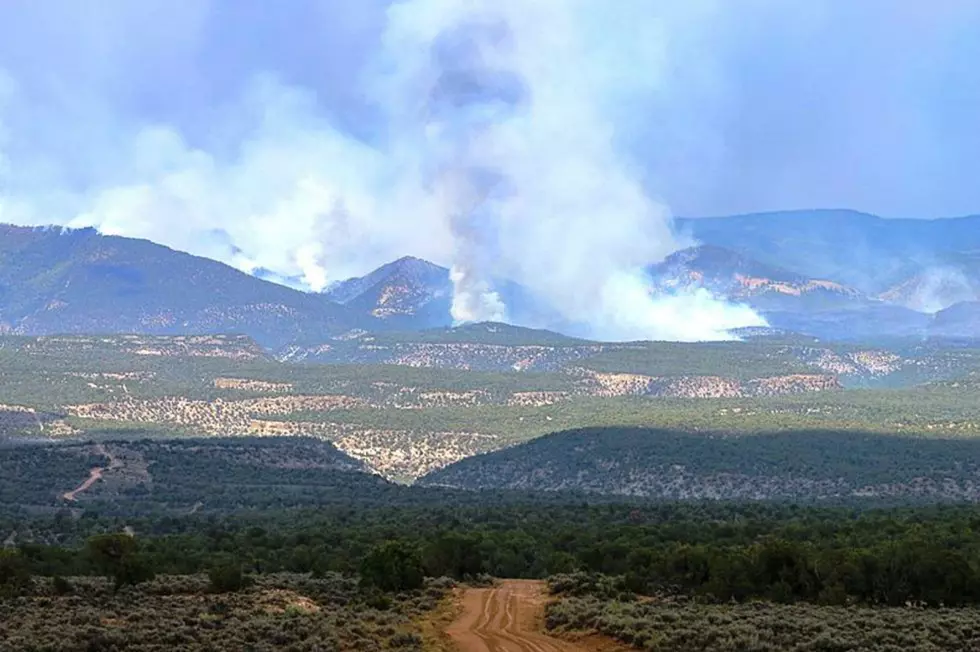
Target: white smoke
{"x": 500, "y": 159}
{"x": 502, "y": 110}
{"x": 938, "y": 288}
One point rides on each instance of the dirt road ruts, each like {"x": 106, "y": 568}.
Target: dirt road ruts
{"x": 506, "y": 618}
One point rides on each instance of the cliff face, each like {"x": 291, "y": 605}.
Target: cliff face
{"x": 616, "y": 384}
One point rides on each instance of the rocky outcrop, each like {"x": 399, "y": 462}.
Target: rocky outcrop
{"x": 248, "y": 385}
{"x": 615, "y": 384}
{"x": 218, "y": 417}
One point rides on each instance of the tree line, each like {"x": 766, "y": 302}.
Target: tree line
{"x": 712, "y": 550}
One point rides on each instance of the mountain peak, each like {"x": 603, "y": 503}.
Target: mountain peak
{"x": 407, "y": 289}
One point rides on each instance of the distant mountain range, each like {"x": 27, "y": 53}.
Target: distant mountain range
{"x": 55, "y": 281}
{"x": 829, "y": 274}
{"x": 862, "y": 251}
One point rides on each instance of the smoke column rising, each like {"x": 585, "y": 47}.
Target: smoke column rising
{"x": 494, "y": 151}
{"x": 497, "y": 105}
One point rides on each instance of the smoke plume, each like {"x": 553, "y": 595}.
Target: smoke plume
{"x": 499, "y": 109}
{"x": 493, "y": 149}
{"x": 938, "y": 288}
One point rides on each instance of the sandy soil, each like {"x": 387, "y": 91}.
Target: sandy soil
{"x": 507, "y": 618}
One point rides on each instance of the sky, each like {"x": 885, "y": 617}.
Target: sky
{"x": 765, "y": 104}
{"x": 286, "y": 135}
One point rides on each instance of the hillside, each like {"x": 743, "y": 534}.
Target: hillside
{"x": 438, "y": 397}
{"x": 737, "y": 277}
{"x": 78, "y": 281}
{"x": 796, "y": 303}
{"x": 873, "y": 322}
{"x": 868, "y": 253}
{"x": 956, "y": 279}
{"x": 958, "y": 320}
{"x": 411, "y": 294}
{"x": 805, "y": 465}
{"x": 788, "y": 266}
{"x": 180, "y": 475}
{"x": 408, "y": 293}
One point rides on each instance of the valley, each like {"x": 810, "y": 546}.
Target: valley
{"x": 460, "y": 393}
{"x": 489, "y": 326}
{"x": 277, "y": 468}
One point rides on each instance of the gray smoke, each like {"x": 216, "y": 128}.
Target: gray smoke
{"x": 473, "y": 95}
{"x": 496, "y": 148}
{"x": 500, "y": 111}
{"x": 938, "y": 288}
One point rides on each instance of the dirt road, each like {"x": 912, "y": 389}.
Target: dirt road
{"x": 506, "y": 618}
{"x": 94, "y": 475}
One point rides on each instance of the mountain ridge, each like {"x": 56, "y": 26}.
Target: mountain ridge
{"x": 858, "y": 249}
{"x": 72, "y": 281}
{"x": 923, "y": 282}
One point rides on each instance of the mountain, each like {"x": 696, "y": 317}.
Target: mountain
{"x": 868, "y": 323}
{"x": 412, "y": 294}
{"x": 78, "y": 281}
{"x": 789, "y": 301}
{"x": 959, "y": 321}
{"x": 940, "y": 286}
{"x": 407, "y": 293}
{"x": 740, "y": 278}
{"x": 806, "y": 465}
{"x": 859, "y": 250}
{"x": 56, "y": 280}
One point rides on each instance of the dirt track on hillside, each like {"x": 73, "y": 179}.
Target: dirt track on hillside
{"x": 506, "y": 618}
{"x": 94, "y": 475}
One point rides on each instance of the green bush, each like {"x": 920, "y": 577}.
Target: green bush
{"x": 15, "y": 573}
{"x": 393, "y": 566}
{"x": 119, "y": 557}
{"x": 227, "y": 578}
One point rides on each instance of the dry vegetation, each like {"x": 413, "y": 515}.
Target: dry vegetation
{"x": 765, "y": 627}
{"x": 217, "y": 417}
{"x": 233, "y": 347}
{"x": 249, "y": 385}
{"x": 280, "y": 612}
{"x": 404, "y": 455}
{"x": 621, "y": 384}
{"x": 448, "y": 399}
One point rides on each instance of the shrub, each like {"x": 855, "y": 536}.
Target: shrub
{"x": 15, "y": 573}
{"x": 393, "y": 566}
{"x": 119, "y": 558}
{"x": 227, "y": 578}
{"x": 62, "y": 586}
{"x": 405, "y": 640}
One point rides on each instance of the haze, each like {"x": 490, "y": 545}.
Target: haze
{"x": 287, "y": 138}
